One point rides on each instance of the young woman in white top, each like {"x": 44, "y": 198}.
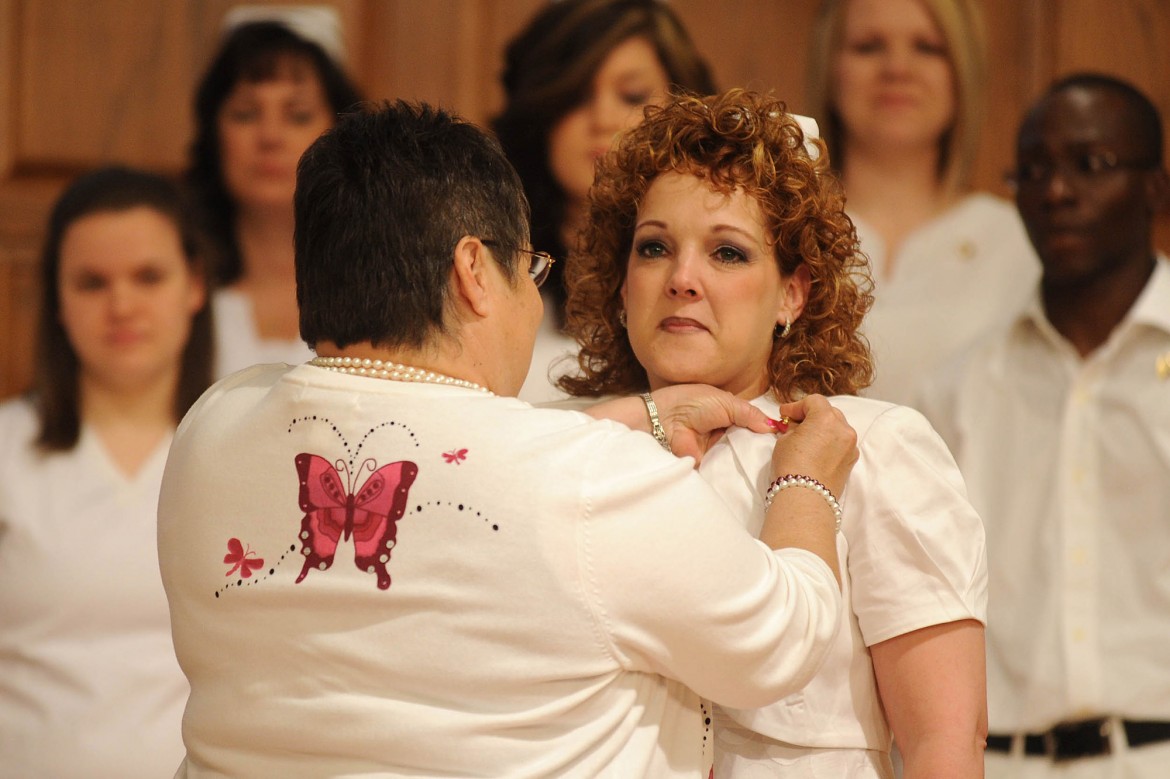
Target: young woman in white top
{"x": 718, "y": 252}
{"x": 266, "y": 95}
{"x": 898, "y": 89}
{"x": 89, "y": 684}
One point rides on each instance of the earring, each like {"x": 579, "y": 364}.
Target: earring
{"x": 622, "y": 318}
{"x": 783, "y": 333}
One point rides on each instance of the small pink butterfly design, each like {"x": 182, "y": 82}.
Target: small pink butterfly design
{"x": 455, "y": 456}
{"x": 241, "y": 559}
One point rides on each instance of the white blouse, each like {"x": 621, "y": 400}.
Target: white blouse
{"x": 239, "y": 346}
{"x": 89, "y": 684}
{"x": 912, "y": 551}
{"x": 953, "y": 279}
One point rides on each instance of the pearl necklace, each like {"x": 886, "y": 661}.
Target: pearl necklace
{"x": 384, "y": 369}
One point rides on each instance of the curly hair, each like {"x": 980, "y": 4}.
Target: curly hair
{"x": 745, "y": 141}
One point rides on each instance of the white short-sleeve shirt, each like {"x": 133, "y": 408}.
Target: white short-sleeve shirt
{"x": 912, "y": 549}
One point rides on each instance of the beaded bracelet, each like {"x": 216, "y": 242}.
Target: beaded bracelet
{"x": 655, "y": 426}
{"x": 797, "y": 480}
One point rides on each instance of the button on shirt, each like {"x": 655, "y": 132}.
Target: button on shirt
{"x": 1068, "y": 462}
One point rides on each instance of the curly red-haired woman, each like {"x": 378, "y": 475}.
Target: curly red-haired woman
{"x": 718, "y": 252}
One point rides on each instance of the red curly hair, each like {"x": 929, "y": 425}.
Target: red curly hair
{"x": 737, "y": 140}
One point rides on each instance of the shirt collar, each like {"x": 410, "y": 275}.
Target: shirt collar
{"x": 1150, "y": 308}
{"x": 1153, "y": 306}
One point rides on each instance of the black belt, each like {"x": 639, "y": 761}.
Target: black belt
{"x": 1088, "y": 738}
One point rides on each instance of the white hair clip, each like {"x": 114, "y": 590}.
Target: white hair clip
{"x": 811, "y": 131}
{"x": 320, "y": 24}
{"x": 808, "y": 126}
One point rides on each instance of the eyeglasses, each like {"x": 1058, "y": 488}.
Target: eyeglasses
{"x": 1078, "y": 168}
{"x": 539, "y": 263}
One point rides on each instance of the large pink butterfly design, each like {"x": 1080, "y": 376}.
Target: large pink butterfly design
{"x": 333, "y": 511}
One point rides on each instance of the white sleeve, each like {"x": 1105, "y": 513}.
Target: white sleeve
{"x": 917, "y": 553}
{"x": 682, "y": 590}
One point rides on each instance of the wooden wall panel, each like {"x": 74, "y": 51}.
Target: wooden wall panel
{"x": 83, "y": 82}
{"x": 449, "y": 52}
{"x": 23, "y": 209}
{"x": 97, "y": 82}
{"x": 7, "y": 83}
{"x": 114, "y": 81}
{"x": 762, "y": 46}
{"x": 412, "y": 50}
{"x": 1127, "y": 39}
{"x": 1013, "y": 78}
{"x": 17, "y": 319}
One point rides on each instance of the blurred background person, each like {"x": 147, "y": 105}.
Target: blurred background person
{"x": 897, "y": 86}
{"x": 89, "y": 684}
{"x": 581, "y": 72}
{"x": 1061, "y": 426}
{"x": 718, "y": 252}
{"x": 268, "y": 94}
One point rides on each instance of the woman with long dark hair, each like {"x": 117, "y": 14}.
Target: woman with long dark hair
{"x": 268, "y": 94}
{"x": 89, "y": 685}
{"x": 579, "y": 74}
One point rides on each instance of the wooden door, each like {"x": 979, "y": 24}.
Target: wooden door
{"x": 84, "y": 83}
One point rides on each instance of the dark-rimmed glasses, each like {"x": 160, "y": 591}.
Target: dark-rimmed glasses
{"x": 539, "y": 263}
{"x": 1077, "y": 168}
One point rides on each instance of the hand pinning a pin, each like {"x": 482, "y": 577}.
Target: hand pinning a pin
{"x": 1162, "y": 366}
{"x": 780, "y": 425}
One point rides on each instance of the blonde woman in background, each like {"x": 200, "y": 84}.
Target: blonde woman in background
{"x": 898, "y": 89}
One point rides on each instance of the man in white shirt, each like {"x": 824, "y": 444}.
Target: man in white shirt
{"x": 1061, "y": 427}
{"x": 518, "y": 592}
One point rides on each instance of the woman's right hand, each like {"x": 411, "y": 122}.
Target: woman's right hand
{"x": 821, "y": 444}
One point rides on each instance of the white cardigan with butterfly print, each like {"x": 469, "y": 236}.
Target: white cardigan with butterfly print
{"x": 371, "y": 577}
